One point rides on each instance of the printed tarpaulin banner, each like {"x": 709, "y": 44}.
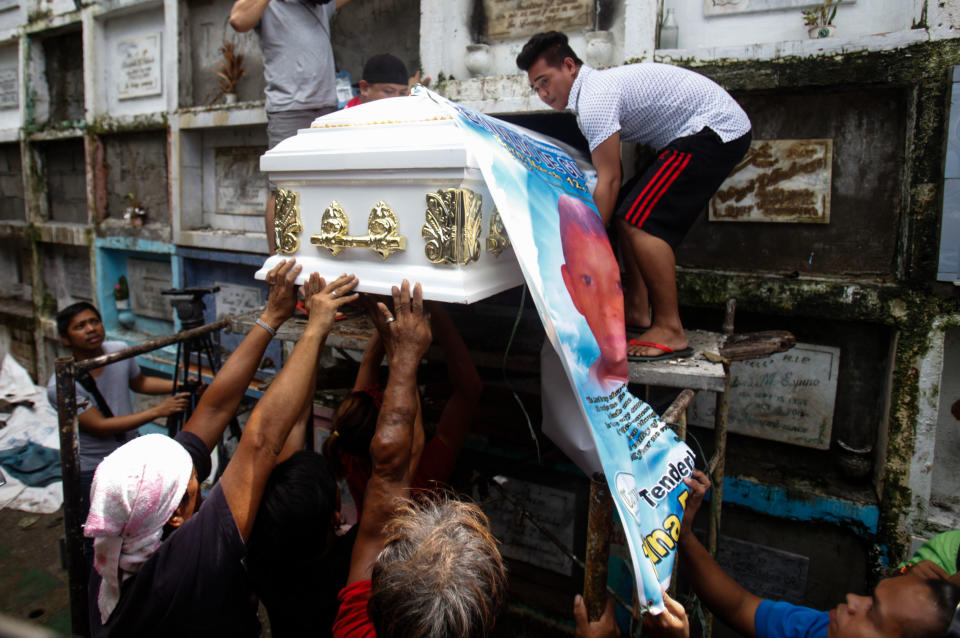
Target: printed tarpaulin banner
{"x": 574, "y": 279}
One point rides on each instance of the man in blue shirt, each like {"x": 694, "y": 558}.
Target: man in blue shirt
{"x": 903, "y": 606}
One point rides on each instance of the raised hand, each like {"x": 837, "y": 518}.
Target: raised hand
{"x": 605, "y": 627}
{"x": 323, "y": 300}
{"x": 671, "y": 623}
{"x": 409, "y": 326}
{"x": 698, "y": 483}
{"x": 282, "y": 299}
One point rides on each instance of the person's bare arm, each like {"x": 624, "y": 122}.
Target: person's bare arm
{"x": 341, "y": 3}
{"x": 219, "y": 402}
{"x": 467, "y": 387}
{"x": 245, "y": 14}
{"x": 92, "y": 420}
{"x": 369, "y": 372}
{"x": 297, "y": 439}
{"x": 145, "y": 384}
{"x": 606, "y": 159}
{"x": 393, "y": 449}
{"x": 270, "y": 423}
{"x": 722, "y": 595}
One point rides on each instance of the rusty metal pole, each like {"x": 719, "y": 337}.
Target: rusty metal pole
{"x": 599, "y": 522}
{"x": 66, "y": 372}
{"x": 720, "y": 439}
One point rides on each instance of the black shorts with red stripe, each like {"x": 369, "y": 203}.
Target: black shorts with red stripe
{"x": 666, "y": 198}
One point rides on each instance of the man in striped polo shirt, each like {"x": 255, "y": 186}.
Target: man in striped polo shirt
{"x": 700, "y": 133}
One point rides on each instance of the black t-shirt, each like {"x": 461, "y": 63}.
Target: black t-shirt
{"x": 195, "y": 583}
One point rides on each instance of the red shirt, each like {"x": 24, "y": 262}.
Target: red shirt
{"x": 352, "y": 619}
{"x": 354, "y": 101}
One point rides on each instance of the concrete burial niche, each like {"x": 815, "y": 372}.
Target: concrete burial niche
{"x": 363, "y": 29}
{"x": 64, "y": 178}
{"x": 11, "y": 183}
{"x": 204, "y": 28}
{"x": 130, "y": 64}
{"x": 56, "y": 79}
{"x": 135, "y": 176}
{"x": 147, "y": 274}
{"x": 15, "y": 270}
{"x": 222, "y": 188}
{"x": 865, "y": 196}
{"x": 66, "y": 276}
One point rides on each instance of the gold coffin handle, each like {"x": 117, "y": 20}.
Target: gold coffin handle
{"x": 286, "y": 221}
{"x": 383, "y": 226}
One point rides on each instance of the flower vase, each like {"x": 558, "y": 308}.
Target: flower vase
{"x": 478, "y": 59}
{"x": 599, "y": 48}
{"x": 822, "y": 31}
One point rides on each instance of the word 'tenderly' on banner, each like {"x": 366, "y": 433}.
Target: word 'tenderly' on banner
{"x": 570, "y": 268}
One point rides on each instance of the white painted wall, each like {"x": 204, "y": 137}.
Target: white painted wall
{"x": 854, "y": 20}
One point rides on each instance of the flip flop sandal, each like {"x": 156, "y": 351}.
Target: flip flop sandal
{"x": 668, "y": 352}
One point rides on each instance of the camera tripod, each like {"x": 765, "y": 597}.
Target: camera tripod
{"x": 189, "y": 305}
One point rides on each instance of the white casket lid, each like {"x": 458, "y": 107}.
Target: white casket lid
{"x": 400, "y": 132}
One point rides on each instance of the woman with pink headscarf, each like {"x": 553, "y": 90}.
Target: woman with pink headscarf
{"x": 164, "y": 565}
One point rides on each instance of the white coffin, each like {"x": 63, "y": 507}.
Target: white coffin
{"x": 410, "y": 155}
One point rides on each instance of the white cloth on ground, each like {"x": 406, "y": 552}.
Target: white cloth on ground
{"x": 37, "y": 424}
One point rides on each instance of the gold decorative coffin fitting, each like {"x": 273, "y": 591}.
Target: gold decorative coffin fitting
{"x": 286, "y": 221}
{"x": 382, "y": 236}
{"x": 452, "y": 228}
{"x": 497, "y": 240}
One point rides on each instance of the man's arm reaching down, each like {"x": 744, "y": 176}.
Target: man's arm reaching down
{"x": 722, "y": 595}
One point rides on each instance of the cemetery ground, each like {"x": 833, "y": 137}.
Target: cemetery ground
{"x": 33, "y": 584}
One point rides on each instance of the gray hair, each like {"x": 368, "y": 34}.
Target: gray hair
{"x": 440, "y": 573}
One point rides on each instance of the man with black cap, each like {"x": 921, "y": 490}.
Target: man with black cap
{"x": 297, "y": 63}
{"x": 384, "y": 75}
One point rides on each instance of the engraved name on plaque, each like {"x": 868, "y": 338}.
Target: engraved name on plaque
{"x": 148, "y": 279}
{"x": 778, "y": 181}
{"x": 516, "y": 18}
{"x": 786, "y": 397}
{"x": 138, "y": 66}
{"x": 241, "y": 188}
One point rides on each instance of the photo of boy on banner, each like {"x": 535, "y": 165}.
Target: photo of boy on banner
{"x": 592, "y": 277}
{"x": 572, "y": 273}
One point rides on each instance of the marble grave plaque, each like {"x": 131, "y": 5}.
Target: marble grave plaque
{"x": 778, "y": 181}
{"x": 138, "y": 66}
{"x": 9, "y": 88}
{"x": 727, "y": 7}
{"x": 521, "y": 18}
{"x": 147, "y": 279}
{"x": 241, "y": 188}
{"x": 234, "y": 299}
{"x": 786, "y": 397}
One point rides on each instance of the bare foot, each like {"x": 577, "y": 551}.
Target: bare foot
{"x": 674, "y": 339}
